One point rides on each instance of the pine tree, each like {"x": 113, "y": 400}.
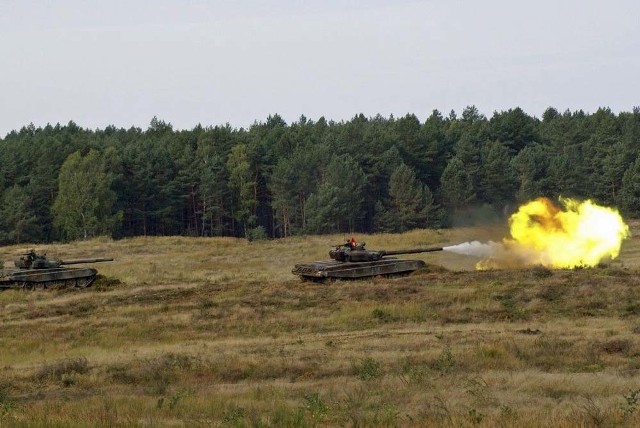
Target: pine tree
{"x": 336, "y": 205}
{"x": 530, "y": 166}
{"x": 16, "y": 218}
{"x": 629, "y": 196}
{"x": 242, "y": 182}
{"x": 411, "y": 202}
{"x": 457, "y": 185}
{"x": 497, "y": 179}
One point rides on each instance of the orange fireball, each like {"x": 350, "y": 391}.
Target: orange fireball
{"x": 577, "y": 234}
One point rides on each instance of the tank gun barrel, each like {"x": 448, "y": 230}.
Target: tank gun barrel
{"x": 411, "y": 251}
{"x": 79, "y": 261}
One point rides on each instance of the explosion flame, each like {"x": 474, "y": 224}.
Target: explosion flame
{"x": 576, "y": 234}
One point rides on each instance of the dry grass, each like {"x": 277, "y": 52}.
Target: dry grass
{"x": 202, "y": 332}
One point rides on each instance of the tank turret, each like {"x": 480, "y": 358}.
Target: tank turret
{"x": 353, "y": 260}
{"x": 33, "y": 260}
{"x": 356, "y": 252}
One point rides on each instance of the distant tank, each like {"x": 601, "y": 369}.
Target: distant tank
{"x": 35, "y": 270}
{"x": 351, "y": 261}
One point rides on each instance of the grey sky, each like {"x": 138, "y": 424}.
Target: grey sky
{"x": 212, "y": 62}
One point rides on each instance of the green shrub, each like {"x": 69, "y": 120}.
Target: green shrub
{"x": 381, "y": 315}
{"x": 257, "y": 233}
{"x": 315, "y": 405}
{"x": 631, "y": 402}
{"x": 445, "y": 362}
{"x": 6, "y": 401}
{"x": 64, "y": 371}
{"x": 234, "y": 417}
{"x": 369, "y": 369}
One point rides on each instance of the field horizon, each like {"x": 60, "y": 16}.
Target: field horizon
{"x": 182, "y": 331}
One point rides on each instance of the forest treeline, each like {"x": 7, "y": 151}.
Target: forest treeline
{"x": 275, "y": 179}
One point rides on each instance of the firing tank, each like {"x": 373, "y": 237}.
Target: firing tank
{"x": 34, "y": 270}
{"x": 351, "y": 261}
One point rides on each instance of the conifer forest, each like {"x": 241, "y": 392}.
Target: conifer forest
{"x": 276, "y": 179}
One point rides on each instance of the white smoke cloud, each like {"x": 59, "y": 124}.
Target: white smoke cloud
{"x": 477, "y": 249}
{"x": 500, "y": 255}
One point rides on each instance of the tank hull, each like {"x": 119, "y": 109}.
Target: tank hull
{"x": 333, "y": 269}
{"x": 33, "y": 278}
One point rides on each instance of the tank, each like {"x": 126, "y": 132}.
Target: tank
{"x": 34, "y": 270}
{"x": 351, "y": 261}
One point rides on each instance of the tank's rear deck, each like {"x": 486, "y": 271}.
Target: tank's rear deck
{"x": 347, "y": 270}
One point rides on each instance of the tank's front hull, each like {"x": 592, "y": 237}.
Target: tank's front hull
{"x": 347, "y": 270}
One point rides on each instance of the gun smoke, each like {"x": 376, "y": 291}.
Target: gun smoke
{"x": 573, "y": 234}
{"x": 497, "y": 255}
{"x": 476, "y": 248}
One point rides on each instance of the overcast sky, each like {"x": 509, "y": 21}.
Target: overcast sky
{"x": 120, "y": 63}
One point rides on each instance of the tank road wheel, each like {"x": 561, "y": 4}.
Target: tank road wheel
{"x": 57, "y": 285}
{"x": 27, "y": 286}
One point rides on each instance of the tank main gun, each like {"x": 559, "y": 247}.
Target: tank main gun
{"x": 412, "y": 251}
{"x": 79, "y": 261}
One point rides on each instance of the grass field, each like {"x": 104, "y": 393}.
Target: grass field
{"x": 218, "y": 332}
